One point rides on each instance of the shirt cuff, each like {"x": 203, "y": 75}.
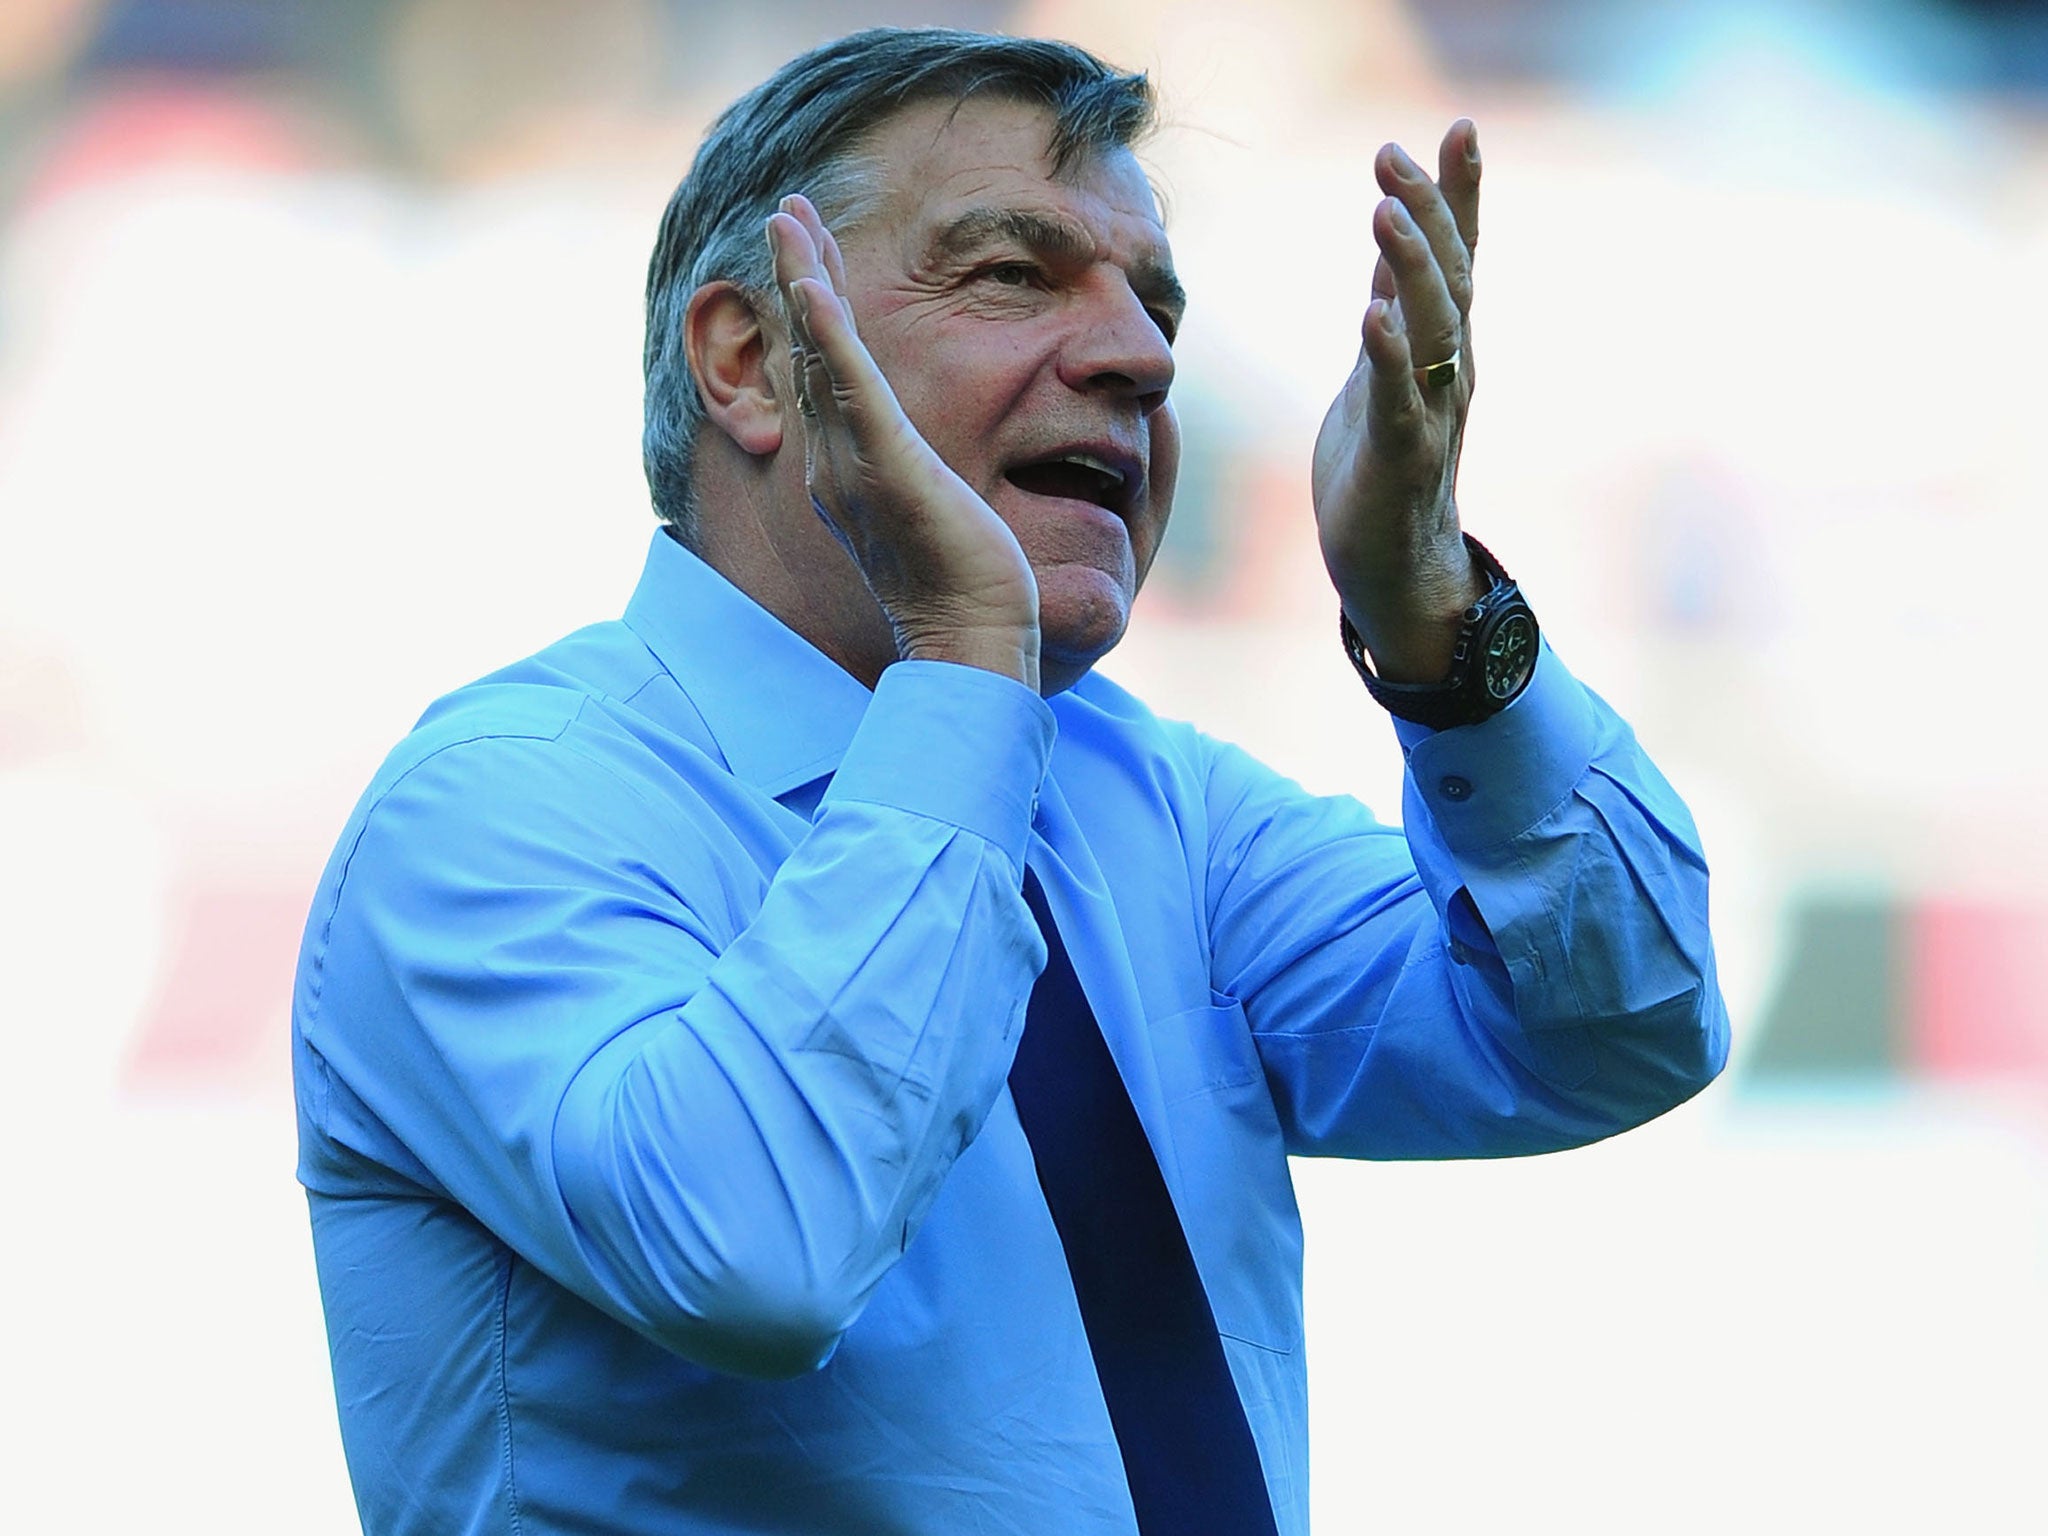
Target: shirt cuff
{"x": 959, "y": 744}
{"x": 1490, "y": 782}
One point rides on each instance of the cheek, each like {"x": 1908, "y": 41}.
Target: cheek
{"x": 957, "y": 383}
{"x": 1163, "y": 474}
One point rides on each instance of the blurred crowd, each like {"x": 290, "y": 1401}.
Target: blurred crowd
{"x": 318, "y": 332}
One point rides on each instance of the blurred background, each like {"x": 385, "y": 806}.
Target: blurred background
{"x": 319, "y": 395}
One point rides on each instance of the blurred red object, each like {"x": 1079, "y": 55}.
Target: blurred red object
{"x": 222, "y": 1012}
{"x": 1978, "y": 977}
{"x": 147, "y": 125}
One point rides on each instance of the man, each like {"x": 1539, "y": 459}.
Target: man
{"x": 692, "y": 1139}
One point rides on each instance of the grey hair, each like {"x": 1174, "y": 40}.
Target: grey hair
{"x": 801, "y": 130}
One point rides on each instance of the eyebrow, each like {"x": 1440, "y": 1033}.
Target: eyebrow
{"x": 1151, "y": 279}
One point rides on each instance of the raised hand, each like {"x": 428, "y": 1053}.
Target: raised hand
{"x": 946, "y": 570}
{"x": 1386, "y": 460}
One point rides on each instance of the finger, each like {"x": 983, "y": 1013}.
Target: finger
{"x": 858, "y": 391}
{"x": 795, "y": 254}
{"x": 790, "y": 251}
{"x": 1400, "y": 177}
{"x": 814, "y": 392}
{"x": 819, "y": 418}
{"x": 801, "y": 262}
{"x": 1395, "y": 410}
{"x": 1457, "y": 177}
{"x": 1394, "y": 402}
{"x": 795, "y": 259}
{"x": 797, "y": 269}
{"x": 852, "y": 415}
{"x": 805, "y": 212}
{"x": 1432, "y": 324}
{"x": 1383, "y": 280}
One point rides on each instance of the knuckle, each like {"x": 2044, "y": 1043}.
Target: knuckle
{"x": 1458, "y": 278}
{"x": 1401, "y": 415}
{"x": 1439, "y": 344}
{"x": 851, "y": 408}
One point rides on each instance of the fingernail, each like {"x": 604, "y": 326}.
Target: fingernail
{"x": 1471, "y": 141}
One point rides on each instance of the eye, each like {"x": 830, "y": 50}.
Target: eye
{"x": 1012, "y": 274}
{"x": 1168, "y": 326}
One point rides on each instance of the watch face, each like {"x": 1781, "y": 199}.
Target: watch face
{"x": 1510, "y": 655}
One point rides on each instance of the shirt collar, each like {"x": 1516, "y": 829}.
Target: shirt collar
{"x": 780, "y": 711}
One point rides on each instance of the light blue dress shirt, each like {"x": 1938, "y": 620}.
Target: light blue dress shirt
{"x": 651, "y": 1033}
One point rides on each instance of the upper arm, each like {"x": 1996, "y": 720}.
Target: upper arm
{"x": 505, "y": 911}
{"x": 700, "y": 1060}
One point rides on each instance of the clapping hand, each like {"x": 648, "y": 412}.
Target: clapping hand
{"x": 945, "y": 568}
{"x": 1386, "y": 460}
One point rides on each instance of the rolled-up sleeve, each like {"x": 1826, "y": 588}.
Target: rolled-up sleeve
{"x": 1524, "y": 965}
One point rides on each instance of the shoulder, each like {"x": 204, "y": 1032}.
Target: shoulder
{"x": 552, "y": 758}
{"x": 528, "y": 795}
{"x": 541, "y": 708}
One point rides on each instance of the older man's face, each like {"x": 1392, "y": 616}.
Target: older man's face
{"x": 1026, "y": 325}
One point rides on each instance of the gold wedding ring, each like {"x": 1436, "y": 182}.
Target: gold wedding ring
{"x": 1440, "y": 375}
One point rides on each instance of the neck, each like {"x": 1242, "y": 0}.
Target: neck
{"x": 796, "y": 569}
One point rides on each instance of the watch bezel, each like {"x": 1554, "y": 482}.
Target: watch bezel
{"x": 1488, "y": 641}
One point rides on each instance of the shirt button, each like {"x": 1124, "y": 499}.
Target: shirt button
{"x": 1453, "y": 787}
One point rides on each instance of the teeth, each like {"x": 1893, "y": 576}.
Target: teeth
{"x": 1089, "y": 461}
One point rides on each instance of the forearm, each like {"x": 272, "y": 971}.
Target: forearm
{"x": 746, "y": 1170}
{"x": 755, "y": 1163}
{"x": 1523, "y": 965}
{"x": 704, "y": 1076}
{"x": 1572, "y": 892}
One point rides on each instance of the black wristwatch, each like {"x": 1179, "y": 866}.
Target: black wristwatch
{"x": 1490, "y": 666}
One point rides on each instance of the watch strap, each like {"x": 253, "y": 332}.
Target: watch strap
{"x": 1462, "y": 697}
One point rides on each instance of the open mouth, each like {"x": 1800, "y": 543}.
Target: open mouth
{"x": 1076, "y": 476}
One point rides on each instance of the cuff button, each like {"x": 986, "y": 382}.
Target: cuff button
{"x": 1452, "y": 787}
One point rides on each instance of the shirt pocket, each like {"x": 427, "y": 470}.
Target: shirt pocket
{"x": 1228, "y": 1163}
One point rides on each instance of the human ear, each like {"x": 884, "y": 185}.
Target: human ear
{"x": 729, "y": 351}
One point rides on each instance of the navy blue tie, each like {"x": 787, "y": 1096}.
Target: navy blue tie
{"x": 1187, "y": 1450}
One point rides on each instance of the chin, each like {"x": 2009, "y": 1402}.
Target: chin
{"x": 1082, "y": 613}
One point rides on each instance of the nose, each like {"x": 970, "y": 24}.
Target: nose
{"x": 1117, "y": 347}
